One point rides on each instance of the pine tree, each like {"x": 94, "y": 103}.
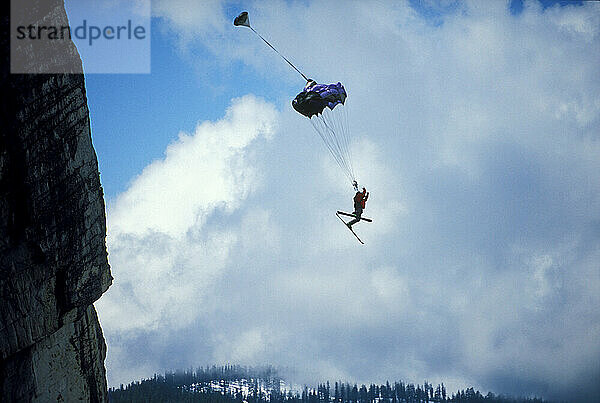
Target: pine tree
{"x": 354, "y": 396}
{"x": 363, "y": 394}
{"x": 438, "y": 393}
{"x": 371, "y": 393}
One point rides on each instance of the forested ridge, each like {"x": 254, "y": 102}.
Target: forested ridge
{"x": 236, "y": 384}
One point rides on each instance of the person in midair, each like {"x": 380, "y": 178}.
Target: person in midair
{"x": 360, "y": 200}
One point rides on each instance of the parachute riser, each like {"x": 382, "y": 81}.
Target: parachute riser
{"x": 276, "y": 51}
{"x": 242, "y": 20}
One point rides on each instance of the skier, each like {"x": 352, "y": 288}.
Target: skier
{"x": 360, "y": 200}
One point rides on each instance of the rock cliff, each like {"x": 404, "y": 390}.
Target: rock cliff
{"x": 53, "y": 261}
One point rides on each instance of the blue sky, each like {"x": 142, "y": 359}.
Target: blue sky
{"x": 475, "y": 127}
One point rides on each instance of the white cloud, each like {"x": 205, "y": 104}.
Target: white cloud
{"x": 542, "y": 267}
{"x": 191, "y": 17}
{"x": 247, "y": 347}
{"x": 162, "y": 254}
{"x": 200, "y": 172}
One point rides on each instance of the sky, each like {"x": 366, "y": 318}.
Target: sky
{"x": 476, "y": 129}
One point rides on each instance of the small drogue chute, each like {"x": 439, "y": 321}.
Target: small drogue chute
{"x": 242, "y": 20}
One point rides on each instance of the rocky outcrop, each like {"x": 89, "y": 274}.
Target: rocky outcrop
{"x": 53, "y": 261}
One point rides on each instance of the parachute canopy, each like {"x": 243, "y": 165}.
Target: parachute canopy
{"x": 324, "y": 105}
{"x": 317, "y": 97}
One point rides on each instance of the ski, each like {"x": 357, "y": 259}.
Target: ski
{"x": 353, "y": 216}
{"x": 351, "y": 230}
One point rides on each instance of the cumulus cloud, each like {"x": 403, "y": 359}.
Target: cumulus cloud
{"x": 189, "y": 17}
{"x": 162, "y": 255}
{"x": 477, "y": 134}
{"x": 199, "y": 173}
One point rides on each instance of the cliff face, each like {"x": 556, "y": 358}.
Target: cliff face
{"x": 53, "y": 261}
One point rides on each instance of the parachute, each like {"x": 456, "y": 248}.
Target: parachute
{"x": 323, "y": 104}
{"x": 242, "y": 20}
{"x": 317, "y": 97}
